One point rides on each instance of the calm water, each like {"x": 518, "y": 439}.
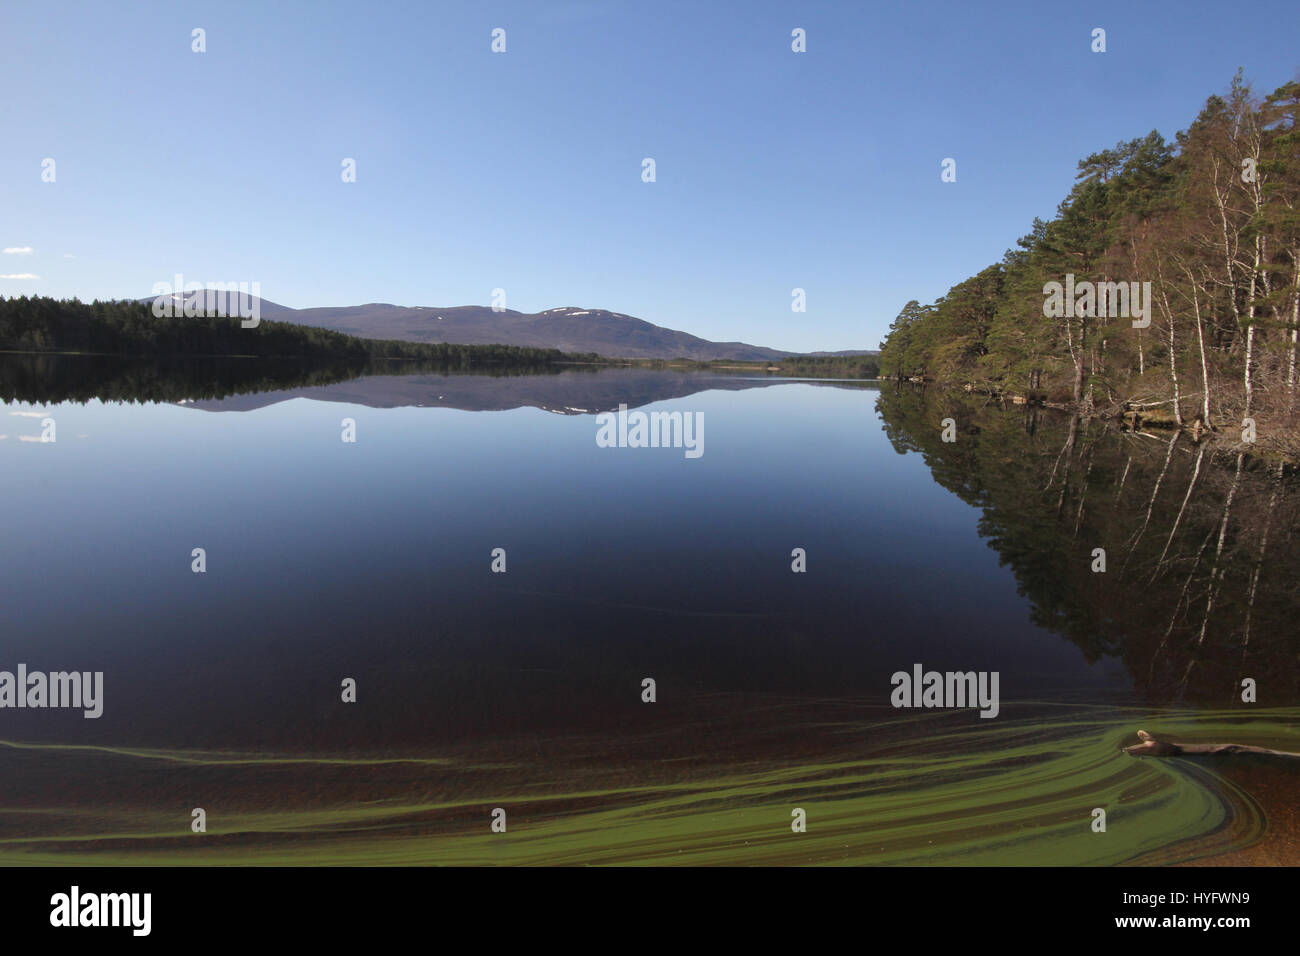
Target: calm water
{"x": 372, "y": 560}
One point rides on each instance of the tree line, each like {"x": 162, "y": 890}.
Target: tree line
{"x": 1211, "y": 221}
{"x": 809, "y": 366}
{"x": 831, "y": 366}
{"x": 129, "y": 328}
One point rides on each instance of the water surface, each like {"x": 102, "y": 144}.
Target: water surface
{"x": 372, "y": 561}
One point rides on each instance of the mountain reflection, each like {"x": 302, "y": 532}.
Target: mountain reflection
{"x": 232, "y": 384}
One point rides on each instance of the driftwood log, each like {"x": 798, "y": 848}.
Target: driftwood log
{"x": 1150, "y": 747}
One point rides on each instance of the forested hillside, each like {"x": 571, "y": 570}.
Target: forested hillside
{"x": 1210, "y": 220}
{"x": 40, "y": 324}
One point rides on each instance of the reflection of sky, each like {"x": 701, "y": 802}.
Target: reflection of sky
{"x": 318, "y": 547}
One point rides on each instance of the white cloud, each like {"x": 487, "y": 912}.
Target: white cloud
{"x": 19, "y": 275}
{"x": 19, "y": 250}
{"x": 68, "y": 255}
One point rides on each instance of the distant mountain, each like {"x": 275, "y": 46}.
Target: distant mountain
{"x": 843, "y": 353}
{"x": 570, "y": 329}
{"x": 228, "y": 303}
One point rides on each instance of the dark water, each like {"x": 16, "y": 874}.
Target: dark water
{"x": 371, "y": 560}
{"x": 328, "y": 560}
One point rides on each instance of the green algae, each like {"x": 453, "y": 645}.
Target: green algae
{"x": 950, "y": 790}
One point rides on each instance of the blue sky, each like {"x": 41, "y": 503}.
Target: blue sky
{"x": 522, "y": 170}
